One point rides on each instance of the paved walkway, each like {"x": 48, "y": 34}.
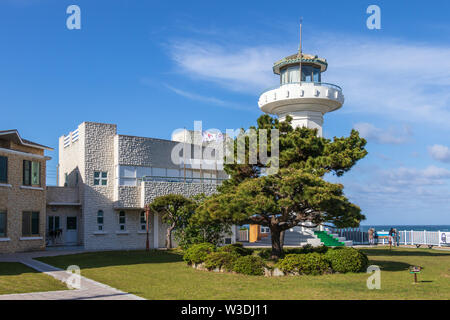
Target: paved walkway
{"x": 90, "y": 289}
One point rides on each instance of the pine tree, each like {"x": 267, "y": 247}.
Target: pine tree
{"x": 297, "y": 193}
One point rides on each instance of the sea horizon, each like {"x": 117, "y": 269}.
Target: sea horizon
{"x": 417, "y": 227}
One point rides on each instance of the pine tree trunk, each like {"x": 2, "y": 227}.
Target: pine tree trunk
{"x": 277, "y": 247}
{"x": 282, "y": 238}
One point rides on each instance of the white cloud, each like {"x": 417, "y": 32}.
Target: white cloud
{"x": 440, "y": 153}
{"x": 209, "y": 100}
{"x": 392, "y": 135}
{"x": 244, "y": 69}
{"x": 403, "y": 176}
{"x": 400, "y": 80}
{"x": 194, "y": 96}
{"x": 407, "y": 194}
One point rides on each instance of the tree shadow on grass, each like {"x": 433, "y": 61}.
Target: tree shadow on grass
{"x": 113, "y": 258}
{"x": 406, "y": 253}
{"x": 14, "y": 269}
{"x": 390, "y": 265}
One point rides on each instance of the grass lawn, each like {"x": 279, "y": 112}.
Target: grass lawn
{"x": 163, "y": 275}
{"x": 18, "y": 278}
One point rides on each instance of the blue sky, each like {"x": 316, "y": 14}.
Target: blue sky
{"x": 154, "y": 66}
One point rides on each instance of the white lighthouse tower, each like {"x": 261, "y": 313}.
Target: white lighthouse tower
{"x": 305, "y": 99}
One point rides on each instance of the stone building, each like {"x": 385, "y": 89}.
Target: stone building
{"x": 22, "y": 193}
{"x": 105, "y": 180}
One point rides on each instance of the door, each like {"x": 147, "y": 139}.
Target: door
{"x": 71, "y": 231}
{"x": 53, "y": 231}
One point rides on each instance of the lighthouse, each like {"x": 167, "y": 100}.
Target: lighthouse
{"x": 306, "y": 99}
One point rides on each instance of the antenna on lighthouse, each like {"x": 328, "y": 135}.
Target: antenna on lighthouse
{"x": 300, "y": 51}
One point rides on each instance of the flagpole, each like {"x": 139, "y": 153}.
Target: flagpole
{"x": 300, "y": 52}
{"x": 184, "y": 155}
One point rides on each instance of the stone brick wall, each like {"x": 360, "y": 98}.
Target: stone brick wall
{"x": 128, "y": 197}
{"x": 149, "y": 152}
{"x": 153, "y": 189}
{"x": 16, "y": 198}
{"x": 99, "y": 156}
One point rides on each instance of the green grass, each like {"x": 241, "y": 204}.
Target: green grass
{"x": 163, "y": 275}
{"x": 18, "y": 278}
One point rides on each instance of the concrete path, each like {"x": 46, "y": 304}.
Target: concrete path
{"x": 90, "y": 289}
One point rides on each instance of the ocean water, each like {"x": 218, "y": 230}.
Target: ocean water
{"x": 445, "y": 228}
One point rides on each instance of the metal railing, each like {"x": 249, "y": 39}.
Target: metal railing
{"x": 325, "y": 84}
{"x": 405, "y": 237}
{"x": 182, "y": 179}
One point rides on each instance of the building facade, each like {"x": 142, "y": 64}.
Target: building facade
{"x": 106, "y": 179}
{"x": 22, "y": 193}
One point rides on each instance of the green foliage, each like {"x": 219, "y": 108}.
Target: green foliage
{"x": 236, "y": 248}
{"x": 175, "y": 210}
{"x": 306, "y": 249}
{"x": 194, "y": 233}
{"x": 264, "y": 253}
{"x": 309, "y": 263}
{"x": 346, "y": 259}
{"x": 297, "y": 193}
{"x": 221, "y": 259}
{"x": 249, "y": 265}
{"x": 197, "y": 253}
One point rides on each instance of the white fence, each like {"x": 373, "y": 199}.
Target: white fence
{"x": 405, "y": 237}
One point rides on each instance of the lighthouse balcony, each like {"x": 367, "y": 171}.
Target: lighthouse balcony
{"x": 304, "y": 96}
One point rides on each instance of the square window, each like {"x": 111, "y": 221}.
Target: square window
{"x": 3, "y": 169}
{"x": 100, "y": 178}
{"x": 31, "y": 173}
{"x": 2, "y": 224}
{"x": 30, "y": 223}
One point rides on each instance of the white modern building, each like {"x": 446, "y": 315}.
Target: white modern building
{"x": 105, "y": 179}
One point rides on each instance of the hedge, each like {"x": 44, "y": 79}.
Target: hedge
{"x": 236, "y": 248}
{"x": 197, "y": 253}
{"x": 249, "y": 265}
{"x": 304, "y": 263}
{"x": 346, "y": 259}
{"x": 221, "y": 259}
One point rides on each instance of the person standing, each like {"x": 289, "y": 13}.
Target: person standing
{"x": 397, "y": 238}
{"x": 371, "y": 236}
{"x": 391, "y": 237}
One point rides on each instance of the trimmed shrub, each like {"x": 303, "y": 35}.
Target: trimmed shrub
{"x": 306, "y": 249}
{"x": 249, "y": 265}
{"x": 308, "y": 263}
{"x": 321, "y": 249}
{"x": 346, "y": 259}
{"x": 221, "y": 259}
{"x": 264, "y": 253}
{"x": 236, "y": 248}
{"x": 197, "y": 253}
